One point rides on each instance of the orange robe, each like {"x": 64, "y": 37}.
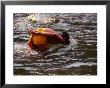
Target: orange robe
{"x": 38, "y": 41}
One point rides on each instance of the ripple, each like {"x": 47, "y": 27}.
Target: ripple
{"x": 77, "y": 58}
{"x": 78, "y": 64}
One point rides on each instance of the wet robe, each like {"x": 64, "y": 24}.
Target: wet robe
{"x": 38, "y": 41}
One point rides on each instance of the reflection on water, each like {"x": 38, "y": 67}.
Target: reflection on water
{"x": 77, "y": 58}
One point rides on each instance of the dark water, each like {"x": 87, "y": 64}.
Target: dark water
{"x": 77, "y": 58}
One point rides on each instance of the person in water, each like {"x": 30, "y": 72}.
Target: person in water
{"x": 42, "y": 37}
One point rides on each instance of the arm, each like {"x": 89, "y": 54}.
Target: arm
{"x": 46, "y": 33}
{"x": 51, "y": 34}
{"x": 42, "y": 33}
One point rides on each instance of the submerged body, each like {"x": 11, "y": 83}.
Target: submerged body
{"x": 42, "y": 37}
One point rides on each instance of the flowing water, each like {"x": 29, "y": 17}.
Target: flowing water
{"x": 77, "y": 58}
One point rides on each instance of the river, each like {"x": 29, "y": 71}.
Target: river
{"x": 77, "y": 58}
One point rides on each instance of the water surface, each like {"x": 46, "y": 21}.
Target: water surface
{"x": 77, "y": 58}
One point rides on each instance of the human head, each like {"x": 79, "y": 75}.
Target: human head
{"x": 65, "y": 36}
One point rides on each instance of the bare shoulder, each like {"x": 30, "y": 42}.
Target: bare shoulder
{"x": 49, "y": 30}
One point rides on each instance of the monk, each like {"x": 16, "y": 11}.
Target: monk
{"x": 42, "y": 37}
